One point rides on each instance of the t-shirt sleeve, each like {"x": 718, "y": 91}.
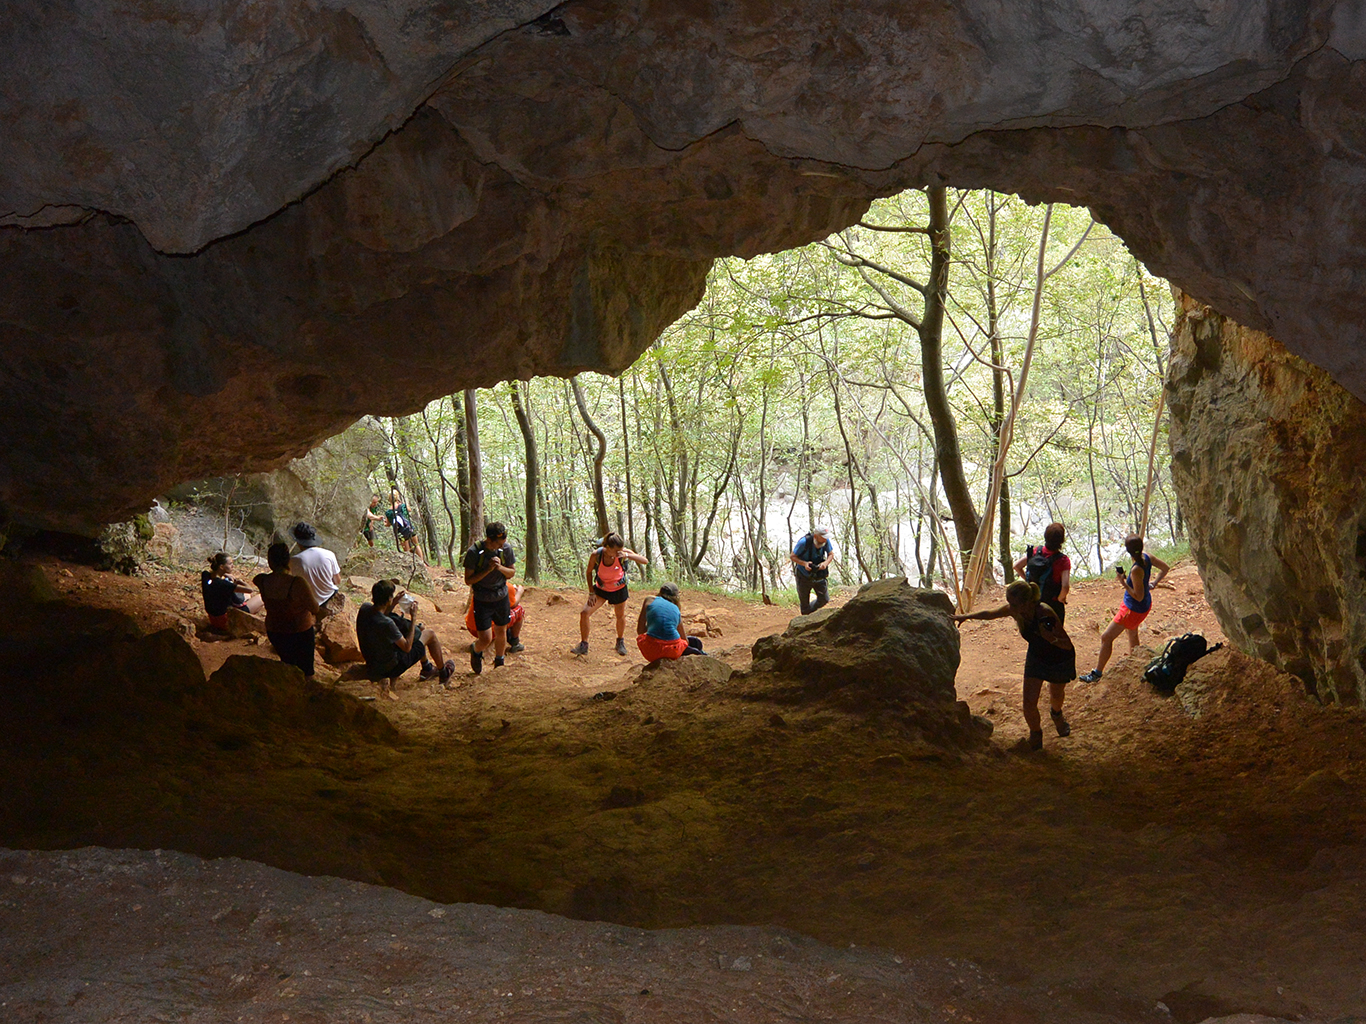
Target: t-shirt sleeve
{"x": 388, "y": 629}
{"x": 472, "y": 559}
{"x": 332, "y": 565}
{"x": 509, "y": 556}
{"x": 1062, "y": 565}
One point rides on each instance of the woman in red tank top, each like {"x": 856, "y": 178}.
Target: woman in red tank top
{"x": 607, "y": 585}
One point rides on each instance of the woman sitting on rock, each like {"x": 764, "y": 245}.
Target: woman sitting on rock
{"x": 659, "y": 628}
{"x": 290, "y": 610}
{"x": 222, "y": 592}
{"x": 1051, "y": 657}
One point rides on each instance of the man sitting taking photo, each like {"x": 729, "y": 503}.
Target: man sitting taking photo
{"x": 392, "y": 644}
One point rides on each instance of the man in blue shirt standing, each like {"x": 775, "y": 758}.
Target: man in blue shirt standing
{"x": 811, "y": 558}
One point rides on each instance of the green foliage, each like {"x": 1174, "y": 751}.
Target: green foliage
{"x": 792, "y": 394}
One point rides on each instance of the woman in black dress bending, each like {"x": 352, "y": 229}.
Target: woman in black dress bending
{"x": 1051, "y": 657}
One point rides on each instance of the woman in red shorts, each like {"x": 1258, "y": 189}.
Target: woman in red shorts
{"x": 659, "y": 628}
{"x": 1138, "y": 601}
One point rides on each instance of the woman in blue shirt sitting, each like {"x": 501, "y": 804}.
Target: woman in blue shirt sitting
{"x": 659, "y": 632}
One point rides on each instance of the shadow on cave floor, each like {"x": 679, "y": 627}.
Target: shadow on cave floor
{"x": 1214, "y": 862}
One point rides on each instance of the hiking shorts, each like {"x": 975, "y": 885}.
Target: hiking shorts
{"x": 1130, "y": 619}
{"x": 654, "y": 649}
{"x": 617, "y": 596}
{"x": 488, "y": 614}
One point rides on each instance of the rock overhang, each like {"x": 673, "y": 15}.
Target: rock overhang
{"x": 540, "y": 189}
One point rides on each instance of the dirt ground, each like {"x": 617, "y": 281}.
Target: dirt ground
{"x": 1207, "y": 852}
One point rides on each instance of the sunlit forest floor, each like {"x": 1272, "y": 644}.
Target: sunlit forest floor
{"x": 1214, "y": 863}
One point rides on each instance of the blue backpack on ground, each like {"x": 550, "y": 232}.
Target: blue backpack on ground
{"x": 1167, "y": 671}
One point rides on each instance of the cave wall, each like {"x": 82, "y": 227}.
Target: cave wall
{"x": 1267, "y": 455}
{"x": 228, "y": 231}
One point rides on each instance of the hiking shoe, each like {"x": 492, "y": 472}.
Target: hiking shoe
{"x": 447, "y": 670}
{"x": 516, "y": 647}
{"x": 581, "y": 648}
{"x": 1028, "y": 746}
{"x": 1091, "y": 677}
{"x": 1060, "y": 723}
{"x": 498, "y": 661}
{"x": 429, "y": 671}
{"x": 476, "y": 660}
{"x": 1036, "y": 740}
{"x": 621, "y": 645}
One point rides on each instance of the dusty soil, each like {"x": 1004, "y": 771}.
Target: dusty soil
{"x": 1215, "y": 864}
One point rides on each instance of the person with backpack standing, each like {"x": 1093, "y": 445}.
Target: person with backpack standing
{"x": 405, "y": 533}
{"x": 1049, "y": 568}
{"x": 811, "y": 558}
{"x": 607, "y": 585}
{"x": 1051, "y": 657}
{"x": 488, "y": 567}
{"x": 1138, "y": 601}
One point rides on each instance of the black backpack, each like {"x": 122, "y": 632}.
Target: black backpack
{"x": 1039, "y": 569}
{"x": 1166, "y": 672}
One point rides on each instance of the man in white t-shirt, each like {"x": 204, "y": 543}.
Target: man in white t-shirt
{"x": 319, "y": 567}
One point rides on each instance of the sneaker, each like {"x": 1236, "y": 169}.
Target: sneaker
{"x": 621, "y": 645}
{"x": 447, "y": 671}
{"x": 515, "y": 647}
{"x": 476, "y": 660}
{"x": 429, "y": 671}
{"x": 1091, "y": 677}
{"x": 1060, "y": 723}
{"x": 498, "y": 662}
{"x": 581, "y": 648}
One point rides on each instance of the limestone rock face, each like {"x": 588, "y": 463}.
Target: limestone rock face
{"x": 293, "y": 215}
{"x": 1267, "y": 460}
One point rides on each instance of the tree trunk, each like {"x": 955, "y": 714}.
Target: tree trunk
{"x": 849, "y": 465}
{"x": 418, "y": 496}
{"x": 476, "y": 465}
{"x": 931, "y": 331}
{"x": 532, "y": 560}
{"x": 600, "y": 453}
{"x": 626, "y": 458}
{"x": 462, "y": 469}
{"x": 445, "y": 489}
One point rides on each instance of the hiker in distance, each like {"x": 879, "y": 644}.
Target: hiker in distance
{"x": 1049, "y": 568}
{"x": 607, "y": 585}
{"x": 1138, "y": 602}
{"x": 393, "y": 643}
{"x": 1050, "y": 658}
{"x": 405, "y": 533}
{"x": 811, "y": 558}
{"x": 659, "y": 628}
{"x": 488, "y": 567}
{"x": 369, "y": 518}
{"x": 319, "y": 567}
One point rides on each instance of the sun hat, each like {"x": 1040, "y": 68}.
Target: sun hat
{"x": 305, "y": 535}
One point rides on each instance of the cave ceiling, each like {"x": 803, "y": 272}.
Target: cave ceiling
{"x": 229, "y": 229}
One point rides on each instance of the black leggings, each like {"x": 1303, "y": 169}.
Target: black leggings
{"x": 295, "y": 648}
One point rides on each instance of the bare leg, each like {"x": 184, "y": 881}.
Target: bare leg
{"x": 485, "y": 640}
{"x": 1056, "y": 693}
{"x": 1032, "y": 689}
{"x": 594, "y": 603}
{"x": 433, "y": 646}
{"x": 500, "y": 641}
{"x": 621, "y": 619}
{"x": 1107, "y": 644}
{"x": 254, "y": 604}
{"x": 1133, "y": 638}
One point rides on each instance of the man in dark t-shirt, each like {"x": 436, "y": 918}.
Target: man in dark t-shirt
{"x": 488, "y": 567}
{"x": 393, "y": 644}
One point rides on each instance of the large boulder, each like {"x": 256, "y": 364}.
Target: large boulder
{"x": 1267, "y": 454}
{"x": 891, "y": 646}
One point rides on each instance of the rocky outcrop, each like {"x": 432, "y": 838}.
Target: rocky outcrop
{"x": 293, "y": 216}
{"x": 1267, "y": 454}
{"x": 889, "y": 646}
{"x": 328, "y": 487}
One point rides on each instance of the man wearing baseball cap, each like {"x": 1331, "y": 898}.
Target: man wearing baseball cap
{"x": 811, "y": 558}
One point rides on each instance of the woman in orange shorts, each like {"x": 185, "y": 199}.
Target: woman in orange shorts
{"x": 1138, "y": 601}
{"x": 659, "y": 628}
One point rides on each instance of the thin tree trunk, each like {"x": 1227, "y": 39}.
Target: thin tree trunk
{"x": 418, "y": 495}
{"x": 476, "y": 465}
{"x": 626, "y": 459}
{"x": 445, "y": 488}
{"x": 532, "y": 560}
{"x": 599, "y": 494}
{"x": 1157, "y": 420}
{"x": 462, "y": 468}
{"x": 853, "y": 492}
{"x": 931, "y": 332}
